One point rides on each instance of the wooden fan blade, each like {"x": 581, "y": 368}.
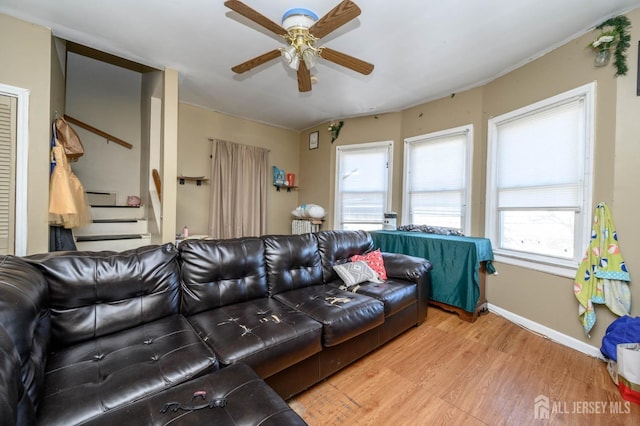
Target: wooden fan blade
{"x": 337, "y": 17}
{"x": 346, "y": 61}
{"x": 255, "y": 16}
{"x": 304, "y": 78}
{"x": 258, "y": 60}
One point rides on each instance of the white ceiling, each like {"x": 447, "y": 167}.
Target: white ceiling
{"x": 422, "y": 49}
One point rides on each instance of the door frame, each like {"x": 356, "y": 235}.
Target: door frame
{"x": 22, "y": 161}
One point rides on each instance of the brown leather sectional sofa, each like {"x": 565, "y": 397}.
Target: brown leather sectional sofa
{"x": 210, "y": 332}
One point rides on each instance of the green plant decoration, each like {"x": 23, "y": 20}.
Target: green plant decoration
{"x": 335, "y": 130}
{"x": 618, "y": 37}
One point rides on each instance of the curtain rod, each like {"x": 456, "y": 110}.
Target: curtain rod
{"x": 213, "y": 139}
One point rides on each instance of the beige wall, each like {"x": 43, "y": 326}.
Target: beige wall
{"x": 25, "y": 50}
{"x": 58, "y": 69}
{"x": 34, "y": 60}
{"x": 169, "y": 154}
{"x": 117, "y": 100}
{"x": 151, "y": 87}
{"x": 318, "y": 166}
{"x": 626, "y": 173}
{"x": 106, "y": 97}
{"x": 540, "y": 297}
{"x": 454, "y": 111}
{"x": 196, "y": 125}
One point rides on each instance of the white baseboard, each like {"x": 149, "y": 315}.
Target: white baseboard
{"x": 550, "y": 333}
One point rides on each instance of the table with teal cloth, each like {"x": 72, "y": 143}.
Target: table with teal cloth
{"x": 455, "y": 277}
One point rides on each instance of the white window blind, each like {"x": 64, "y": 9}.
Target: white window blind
{"x": 539, "y": 182}
{"x": 539, "y": 158}
{"x": 437, "y": 174}
{"x": 363, "y": 176}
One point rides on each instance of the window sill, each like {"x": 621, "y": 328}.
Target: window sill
{"x": 565, "y": 269}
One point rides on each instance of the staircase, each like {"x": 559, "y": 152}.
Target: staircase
{"x": 114, "y": 227}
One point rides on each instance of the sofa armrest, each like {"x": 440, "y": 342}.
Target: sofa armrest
{"x": 411, "y": 268}
{"x": 406, "y": 267}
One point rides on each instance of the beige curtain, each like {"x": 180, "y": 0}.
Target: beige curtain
{"x": 238, "y": 190}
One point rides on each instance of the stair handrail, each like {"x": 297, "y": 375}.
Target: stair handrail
{"x": 155, "y": 212}
{"x": 157, "y": 182}
{"x": 155, "y": 201}
{"x": 98, "y": 132}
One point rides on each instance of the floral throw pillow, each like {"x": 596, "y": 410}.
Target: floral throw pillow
{"x": 354, "y": 273}
{"x": 375, "y": 262}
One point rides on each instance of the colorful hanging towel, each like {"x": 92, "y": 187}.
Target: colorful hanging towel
{"x": 602, "y": 277}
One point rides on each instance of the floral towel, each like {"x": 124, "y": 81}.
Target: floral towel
{"x": 602, "y": 277}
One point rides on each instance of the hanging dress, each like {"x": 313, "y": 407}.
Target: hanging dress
{"x": 68, "y": 205}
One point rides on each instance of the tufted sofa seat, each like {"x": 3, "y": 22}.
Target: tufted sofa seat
{"x": 232, "y": 327}
{"x": 294, "y": 269}
{"x": 248, "y": 400}
{"x": 225, "y": 298}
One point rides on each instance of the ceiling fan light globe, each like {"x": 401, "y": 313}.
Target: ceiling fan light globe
{"x": 298, "y": 18}
{"x": 309, "y": 58}
{"x": 294, "y": 63}
{"x": 288, "y": 53}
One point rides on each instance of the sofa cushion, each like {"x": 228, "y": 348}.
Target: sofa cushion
{"x": 293, "y": 262}
{"x": 25, "y": 316}
{"x": 374, "y": 260}
{"x": 89, "y": 378}
{"x": 396, "y": 294}
{"x": 215, "y": 273}
{"x": 263, "y": 333}
{"x": 337, "y": 247}
{"x": 237, "y": 395}
{"x": 343, "y": 314}
{"x": 353, "y": 273}
{"x": 94, "y": 294}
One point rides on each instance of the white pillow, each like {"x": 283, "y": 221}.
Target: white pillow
{"x": 353, "y": 273}
{"x": 315, "y": 211}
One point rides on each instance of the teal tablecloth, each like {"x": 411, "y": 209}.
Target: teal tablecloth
{"x": 455, "y": 279}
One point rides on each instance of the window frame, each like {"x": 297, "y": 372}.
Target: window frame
{"x": 388, "y": 145}
{"x": 551, "y": 264}
{"x": 468, "y": 178}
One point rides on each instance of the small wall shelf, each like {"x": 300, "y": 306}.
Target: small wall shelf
{"x": 289, "y": 188}
{"x": 197, "y": 179}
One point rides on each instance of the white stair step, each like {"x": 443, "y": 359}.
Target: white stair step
{"x": 113, "y": 226}
{"x": 117, "y": 212}
{"x": 114, "y": 244}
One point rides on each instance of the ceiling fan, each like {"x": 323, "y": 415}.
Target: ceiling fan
{"x": 301, "y": 29}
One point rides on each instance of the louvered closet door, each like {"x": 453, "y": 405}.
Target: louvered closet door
{"x": 7, "y": 173}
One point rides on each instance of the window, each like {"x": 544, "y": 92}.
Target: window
{"x": 539, "y": 182}
{"x": 363, "y": 185}
{"x": 437, "y": 180}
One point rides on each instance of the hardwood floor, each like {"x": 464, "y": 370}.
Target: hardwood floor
{"x": 448, "y": 371}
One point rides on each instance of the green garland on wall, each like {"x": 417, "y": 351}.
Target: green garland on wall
{"x": 620, "y": 26}
{"x": 334, "y": 129}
